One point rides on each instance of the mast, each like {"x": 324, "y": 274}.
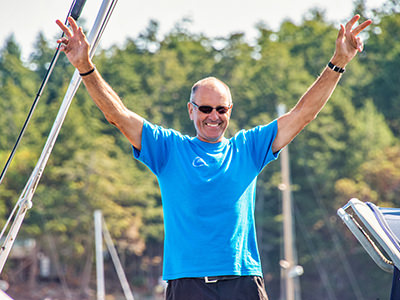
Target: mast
{"x": 100, "y": 232}
{"x": 25, "y": 201}
{"x": 99, "y": 255}
{"x": 290, "y": 271}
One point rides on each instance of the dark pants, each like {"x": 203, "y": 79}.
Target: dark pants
{"x": 395, "y": 294}
{"x": 241, "y": 288}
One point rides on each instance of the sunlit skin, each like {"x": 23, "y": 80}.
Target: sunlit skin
{"x": 210, "y": 127}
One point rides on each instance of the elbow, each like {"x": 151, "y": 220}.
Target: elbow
{"x": 310, "y": 118}
{"x": 113, "y": 119}
{"x": 120, "y": 118}
{"x": 304, "y": 119}
{"x": 110, "y": 119}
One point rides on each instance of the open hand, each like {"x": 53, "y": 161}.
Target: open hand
{"x": 75, "y": 45}
{"x": 348, "y": 42}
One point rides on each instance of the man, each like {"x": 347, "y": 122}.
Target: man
{"x": 207, "y": 182}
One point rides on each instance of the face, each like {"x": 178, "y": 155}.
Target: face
{"x": 210, "y": 127}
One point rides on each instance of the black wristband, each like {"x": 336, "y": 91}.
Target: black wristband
{"x": 335, "y": 68}
{"x": 88, "y": 72}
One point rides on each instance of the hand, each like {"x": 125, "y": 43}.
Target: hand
{"x": 75, "y": 46}
{"x": 348, "y": 43}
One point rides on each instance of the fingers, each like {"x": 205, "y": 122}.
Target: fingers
{"x": 351, "y": 23}
{"x": 73, "y": 35}
{"x": 73, "y": 24}
{"x": 63, "y": 40}
{"x": 64, "y": 28}
{"x": 341, "y": 32}
{"x": 361, "y": 27}
{"x": 351, "y": 35}
{"x": 359, "y": 44}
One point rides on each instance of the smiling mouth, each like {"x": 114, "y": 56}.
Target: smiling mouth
{"x": 212, "y": 124}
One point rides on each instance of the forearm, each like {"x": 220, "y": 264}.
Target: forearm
{"x": 104, "y": 96}
{"x": 76, "y": 47}
{"x": 107, "y": 100}
{"x": 306, "y": 109}
{"x": 311, "y": 103}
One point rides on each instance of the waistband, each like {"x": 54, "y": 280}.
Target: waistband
{"x": 214, "y": 279}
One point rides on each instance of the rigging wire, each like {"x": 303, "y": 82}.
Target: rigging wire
{"x": 72, "y": 12}
{"x": 334, "y": 236}
{"x": 103, "y": 26}
{"x": 33, "y": 107}
{"x": 25, "y": 202}
{"x": 315, "y": 256}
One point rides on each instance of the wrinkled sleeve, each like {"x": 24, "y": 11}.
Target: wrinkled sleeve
{"x": 259, "y": 140}
{"x": 154, "y": 147}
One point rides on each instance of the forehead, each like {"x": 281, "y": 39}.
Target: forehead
{"x": 211, "y": 92}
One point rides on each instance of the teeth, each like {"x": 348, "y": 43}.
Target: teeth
{"x": 212, "y": 125}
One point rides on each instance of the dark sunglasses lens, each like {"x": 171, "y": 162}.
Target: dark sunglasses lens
{"x": 205, "y": 109}
{"x": 222, "y": 109}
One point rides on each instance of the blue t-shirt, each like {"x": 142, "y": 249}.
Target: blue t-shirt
{"x": 208, "y": 197}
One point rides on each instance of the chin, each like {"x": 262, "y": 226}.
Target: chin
{"x": 212, "y": 139}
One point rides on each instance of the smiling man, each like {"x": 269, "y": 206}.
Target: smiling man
{"x": 210, "y": 109}
{"x": 208, "y": 182}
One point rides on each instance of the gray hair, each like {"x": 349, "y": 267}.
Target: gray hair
{"x": 206, "y": 81}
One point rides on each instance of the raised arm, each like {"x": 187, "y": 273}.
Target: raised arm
{"x": 76, "y": 48}
{"x": 310, "y": 104}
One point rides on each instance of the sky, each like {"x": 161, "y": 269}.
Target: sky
{"x": 26, "y": 18}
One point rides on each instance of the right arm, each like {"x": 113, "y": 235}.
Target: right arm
{"x": 311, "y": 103}
{"x": 76, "y": 48}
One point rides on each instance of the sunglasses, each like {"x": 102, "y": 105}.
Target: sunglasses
{"x": 206, "y": 109}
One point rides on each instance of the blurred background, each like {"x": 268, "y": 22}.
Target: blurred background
{"x": 151, "y": 54}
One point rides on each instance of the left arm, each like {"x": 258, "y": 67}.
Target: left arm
{"x": 311, "y": 103}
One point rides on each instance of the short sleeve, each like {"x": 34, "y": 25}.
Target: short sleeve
{"x": 154, "y": 146}
{"x": 259, "y": 143}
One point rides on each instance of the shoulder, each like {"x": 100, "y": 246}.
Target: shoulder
{"x": 261, "y": 131}
{"x": 160, "y": 132}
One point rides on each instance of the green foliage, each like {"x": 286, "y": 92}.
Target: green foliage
{"x": 383, "y": 56}
{"x": 350, "y": 150}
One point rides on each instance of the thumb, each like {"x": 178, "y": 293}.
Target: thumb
{"x": 341, "y": 33}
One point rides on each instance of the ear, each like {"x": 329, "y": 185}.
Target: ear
{"x": 230, "y": 111}
{"x": 190, "y": 110}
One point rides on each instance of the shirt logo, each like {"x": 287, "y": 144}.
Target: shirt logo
{"x": 199, "y": 162}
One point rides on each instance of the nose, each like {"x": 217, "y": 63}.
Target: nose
{"x": 213, "y": 115}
